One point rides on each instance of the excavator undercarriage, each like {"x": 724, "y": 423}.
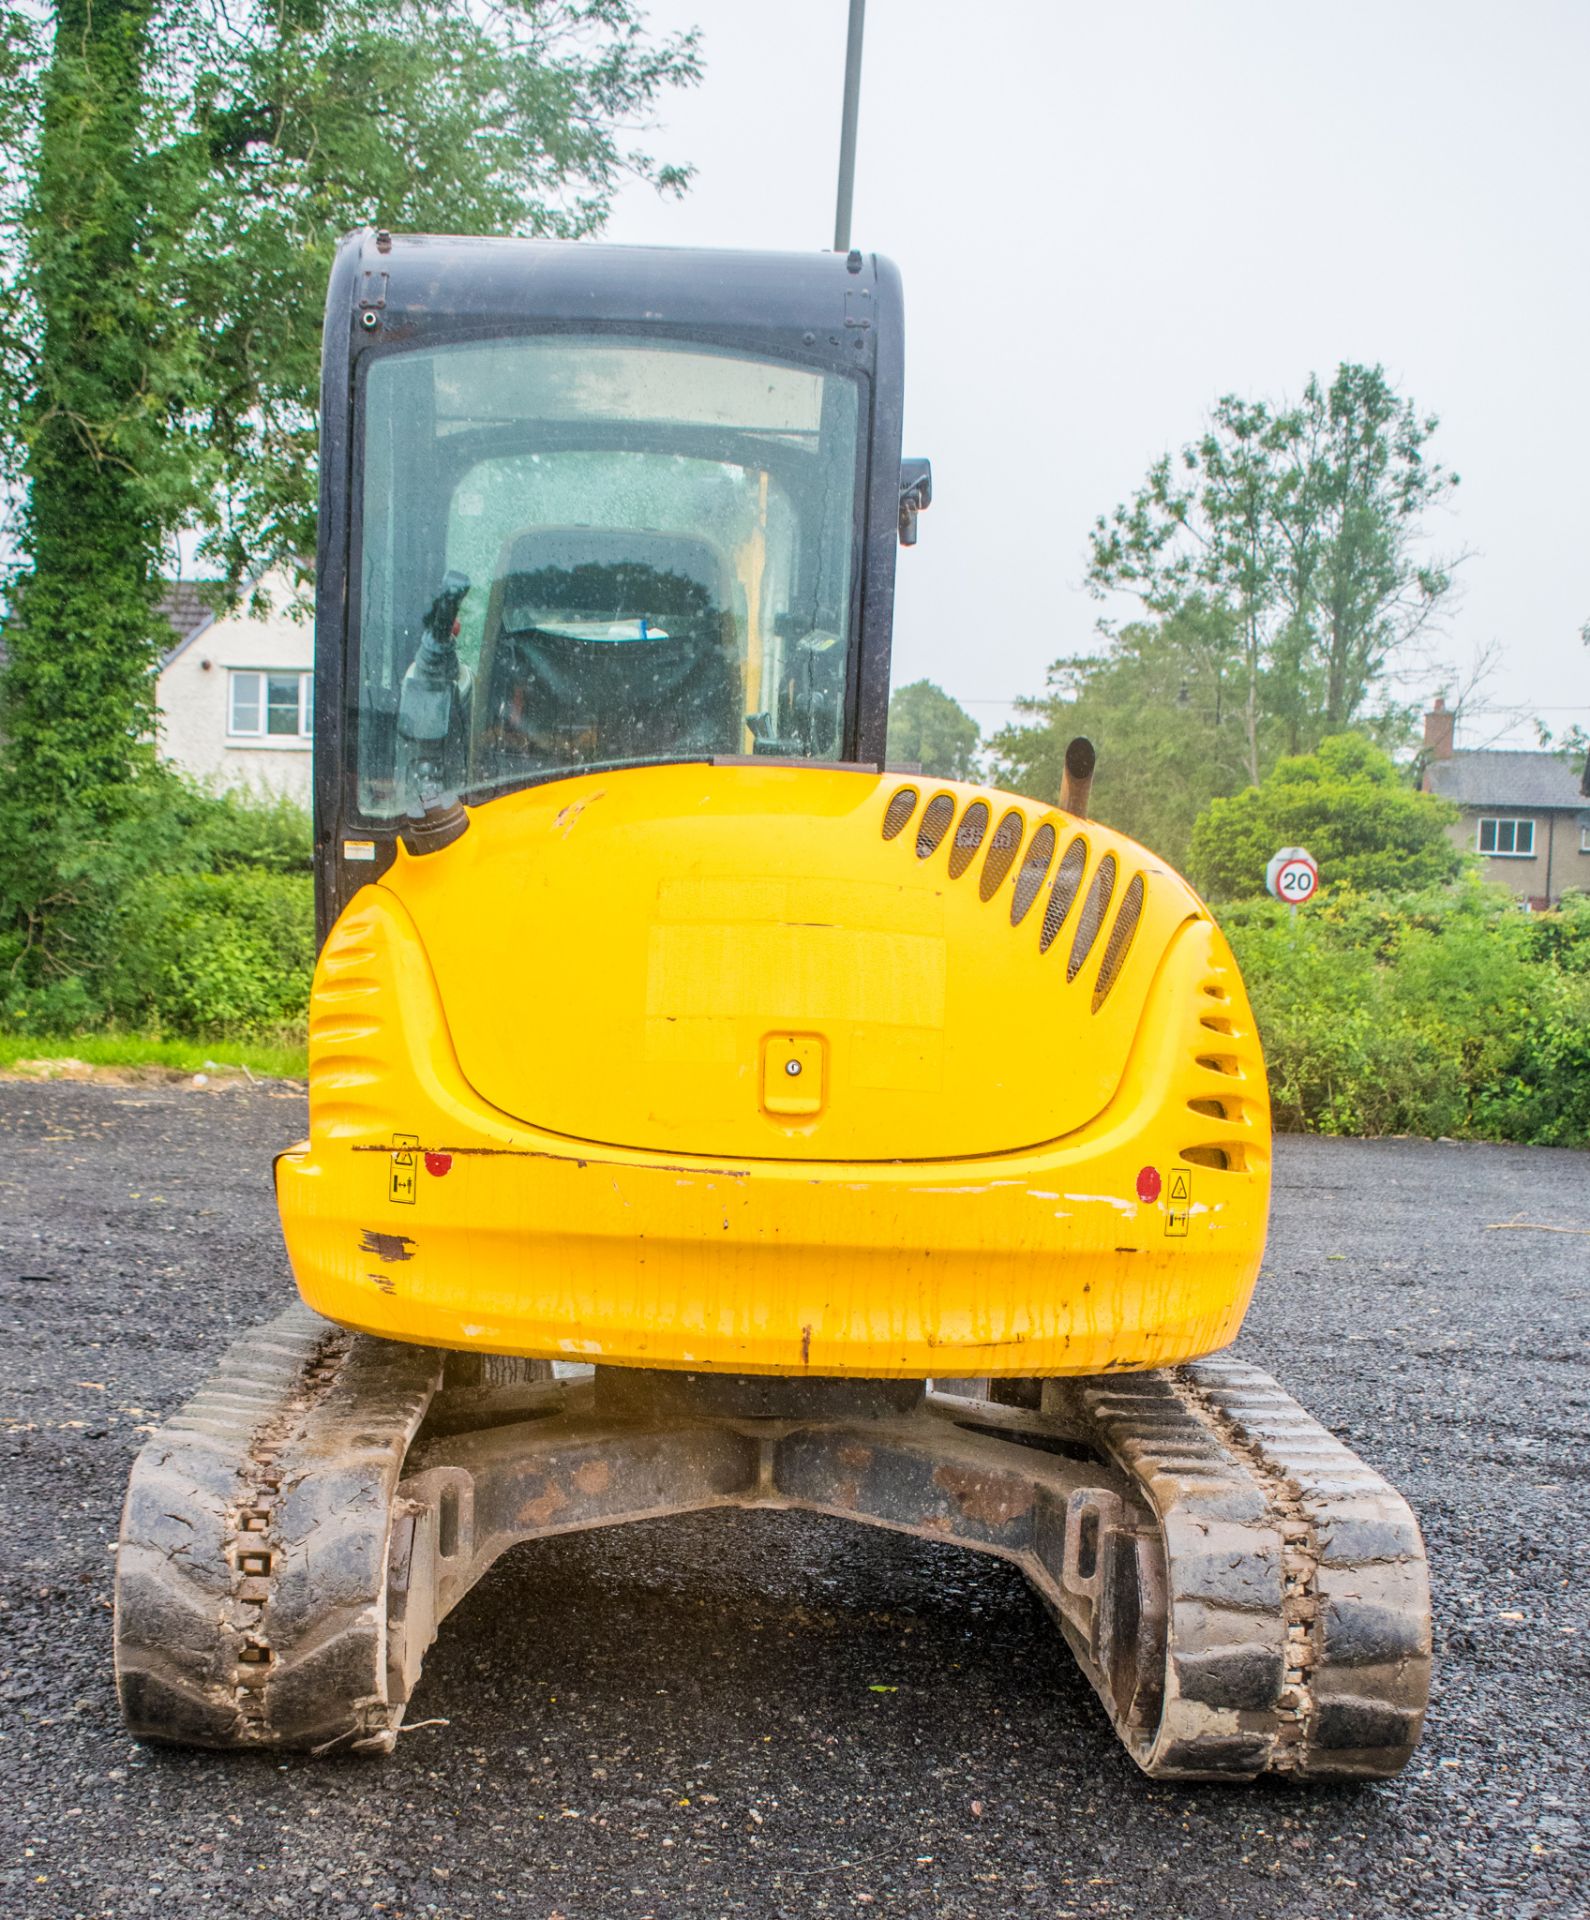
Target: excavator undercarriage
{"x": 1243, "y": 1594}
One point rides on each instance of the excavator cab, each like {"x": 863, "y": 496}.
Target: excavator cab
{"x": 600, "y": 509}
{"x": 693, "y": 1100}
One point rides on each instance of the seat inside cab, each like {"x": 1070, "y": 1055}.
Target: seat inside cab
{"x": 605, "y": 644}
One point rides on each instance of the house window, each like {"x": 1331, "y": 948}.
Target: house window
{"x": 1584, "y": 839}
{"x": 275, "y": 706}
{"x": 1508, "y": 839}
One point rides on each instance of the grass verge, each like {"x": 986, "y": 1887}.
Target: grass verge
{"x": 143, "y": 1050}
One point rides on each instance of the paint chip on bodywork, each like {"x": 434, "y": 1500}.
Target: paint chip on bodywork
{"x": 387, "y": 1246}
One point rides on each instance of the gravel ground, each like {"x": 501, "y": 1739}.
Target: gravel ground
{"x": 770, "y": 1714}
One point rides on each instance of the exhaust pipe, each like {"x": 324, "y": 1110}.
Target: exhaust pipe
{"x": 1077, "y": 782}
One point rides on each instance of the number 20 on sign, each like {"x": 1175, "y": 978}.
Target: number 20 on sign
{"x": 1292, "y": 876}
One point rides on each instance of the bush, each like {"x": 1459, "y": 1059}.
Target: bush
{"x": 1448, "y": 1013}
{"x": 231, "y": 830}
{"x": 1348, "y": 804}
{"x": 213, "y": 955}
{"x": 184, "y": 912}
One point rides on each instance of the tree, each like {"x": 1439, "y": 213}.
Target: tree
{"x": 185, "y": 170}
{"x": 88, "y": 390}
{"x": 1302, "y": 525}
{"x": 930, "y": 730}
{"x": 1162, "y": 706}
{"x": 1349, "y": 805}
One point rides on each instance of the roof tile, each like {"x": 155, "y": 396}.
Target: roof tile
{"x": 187, "y": 606}
{"x": 1503, "y": 777}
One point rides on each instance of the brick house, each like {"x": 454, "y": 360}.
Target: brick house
{"x": 1527, "y": 814}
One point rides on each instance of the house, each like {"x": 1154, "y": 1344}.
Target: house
{"x": 236, "y": 691}
{"x": 1526, "y": 813}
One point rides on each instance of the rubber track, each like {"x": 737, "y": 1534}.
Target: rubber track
{"x": 228, "y": 1633}
{"x": 1299, "y": 1606}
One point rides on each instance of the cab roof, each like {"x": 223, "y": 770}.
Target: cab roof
{"x": 836, "y": 305}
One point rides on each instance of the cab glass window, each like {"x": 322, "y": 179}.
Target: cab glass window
{"x": 636, "y": 551}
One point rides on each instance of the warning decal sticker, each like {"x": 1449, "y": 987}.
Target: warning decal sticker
{"x": 404, "y": 1168}
{"x": 1178, "y": 1202}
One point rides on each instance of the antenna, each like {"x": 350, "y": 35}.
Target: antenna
{"x": 847, "y": 131}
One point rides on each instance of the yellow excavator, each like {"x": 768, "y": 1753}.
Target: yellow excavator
{"x": 702, "y": 1115}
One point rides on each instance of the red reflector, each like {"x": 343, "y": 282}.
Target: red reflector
{"x": 1148, "y": 1184}
{"x": 440, "y": 1163}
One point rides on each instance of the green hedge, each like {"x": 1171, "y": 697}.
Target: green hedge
{"x": 213, "y": 955}
{"x": 1449, "y": 1013}
{"x": 188, "y": 914}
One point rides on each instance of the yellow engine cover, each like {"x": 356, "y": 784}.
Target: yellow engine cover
{"x": 777, "y": 1069}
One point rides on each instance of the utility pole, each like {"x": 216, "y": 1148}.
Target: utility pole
{"x": 847, "y": 132}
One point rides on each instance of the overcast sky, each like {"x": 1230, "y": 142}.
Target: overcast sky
{"x": 1109, "y": 215}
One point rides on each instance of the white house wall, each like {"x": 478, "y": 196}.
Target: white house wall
{"x": 195, "y": 704}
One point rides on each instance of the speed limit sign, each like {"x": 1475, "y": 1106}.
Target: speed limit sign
{"x": 1292, "y": 876}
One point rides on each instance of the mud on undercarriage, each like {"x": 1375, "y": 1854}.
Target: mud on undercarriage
{"x": 1244, "y": 1595}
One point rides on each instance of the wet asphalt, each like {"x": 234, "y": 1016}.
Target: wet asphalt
{"x": 772, "y": 1714}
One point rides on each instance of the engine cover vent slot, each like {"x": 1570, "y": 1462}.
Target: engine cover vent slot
{"x": 1119, "y": 943}
{"x": 1067, "y": 880}
{"x": 968, "y": 837}
{"x": 899, "y": 810}
{"x": 935, "y": 823}
{"x": 1094, "y": 909}
{"x": 1223, "y": 1159}
{"x": 1033, "y": 869}
{"x": 1001, "y": 854}
{"x": 1219, "y": 1063}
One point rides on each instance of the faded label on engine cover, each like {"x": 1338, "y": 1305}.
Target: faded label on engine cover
{"x": 1178, "y": 1202}
{"x": 405, "y": 1168}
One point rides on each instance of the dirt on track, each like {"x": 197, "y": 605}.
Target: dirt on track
{"x": 772, "y": 1714}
